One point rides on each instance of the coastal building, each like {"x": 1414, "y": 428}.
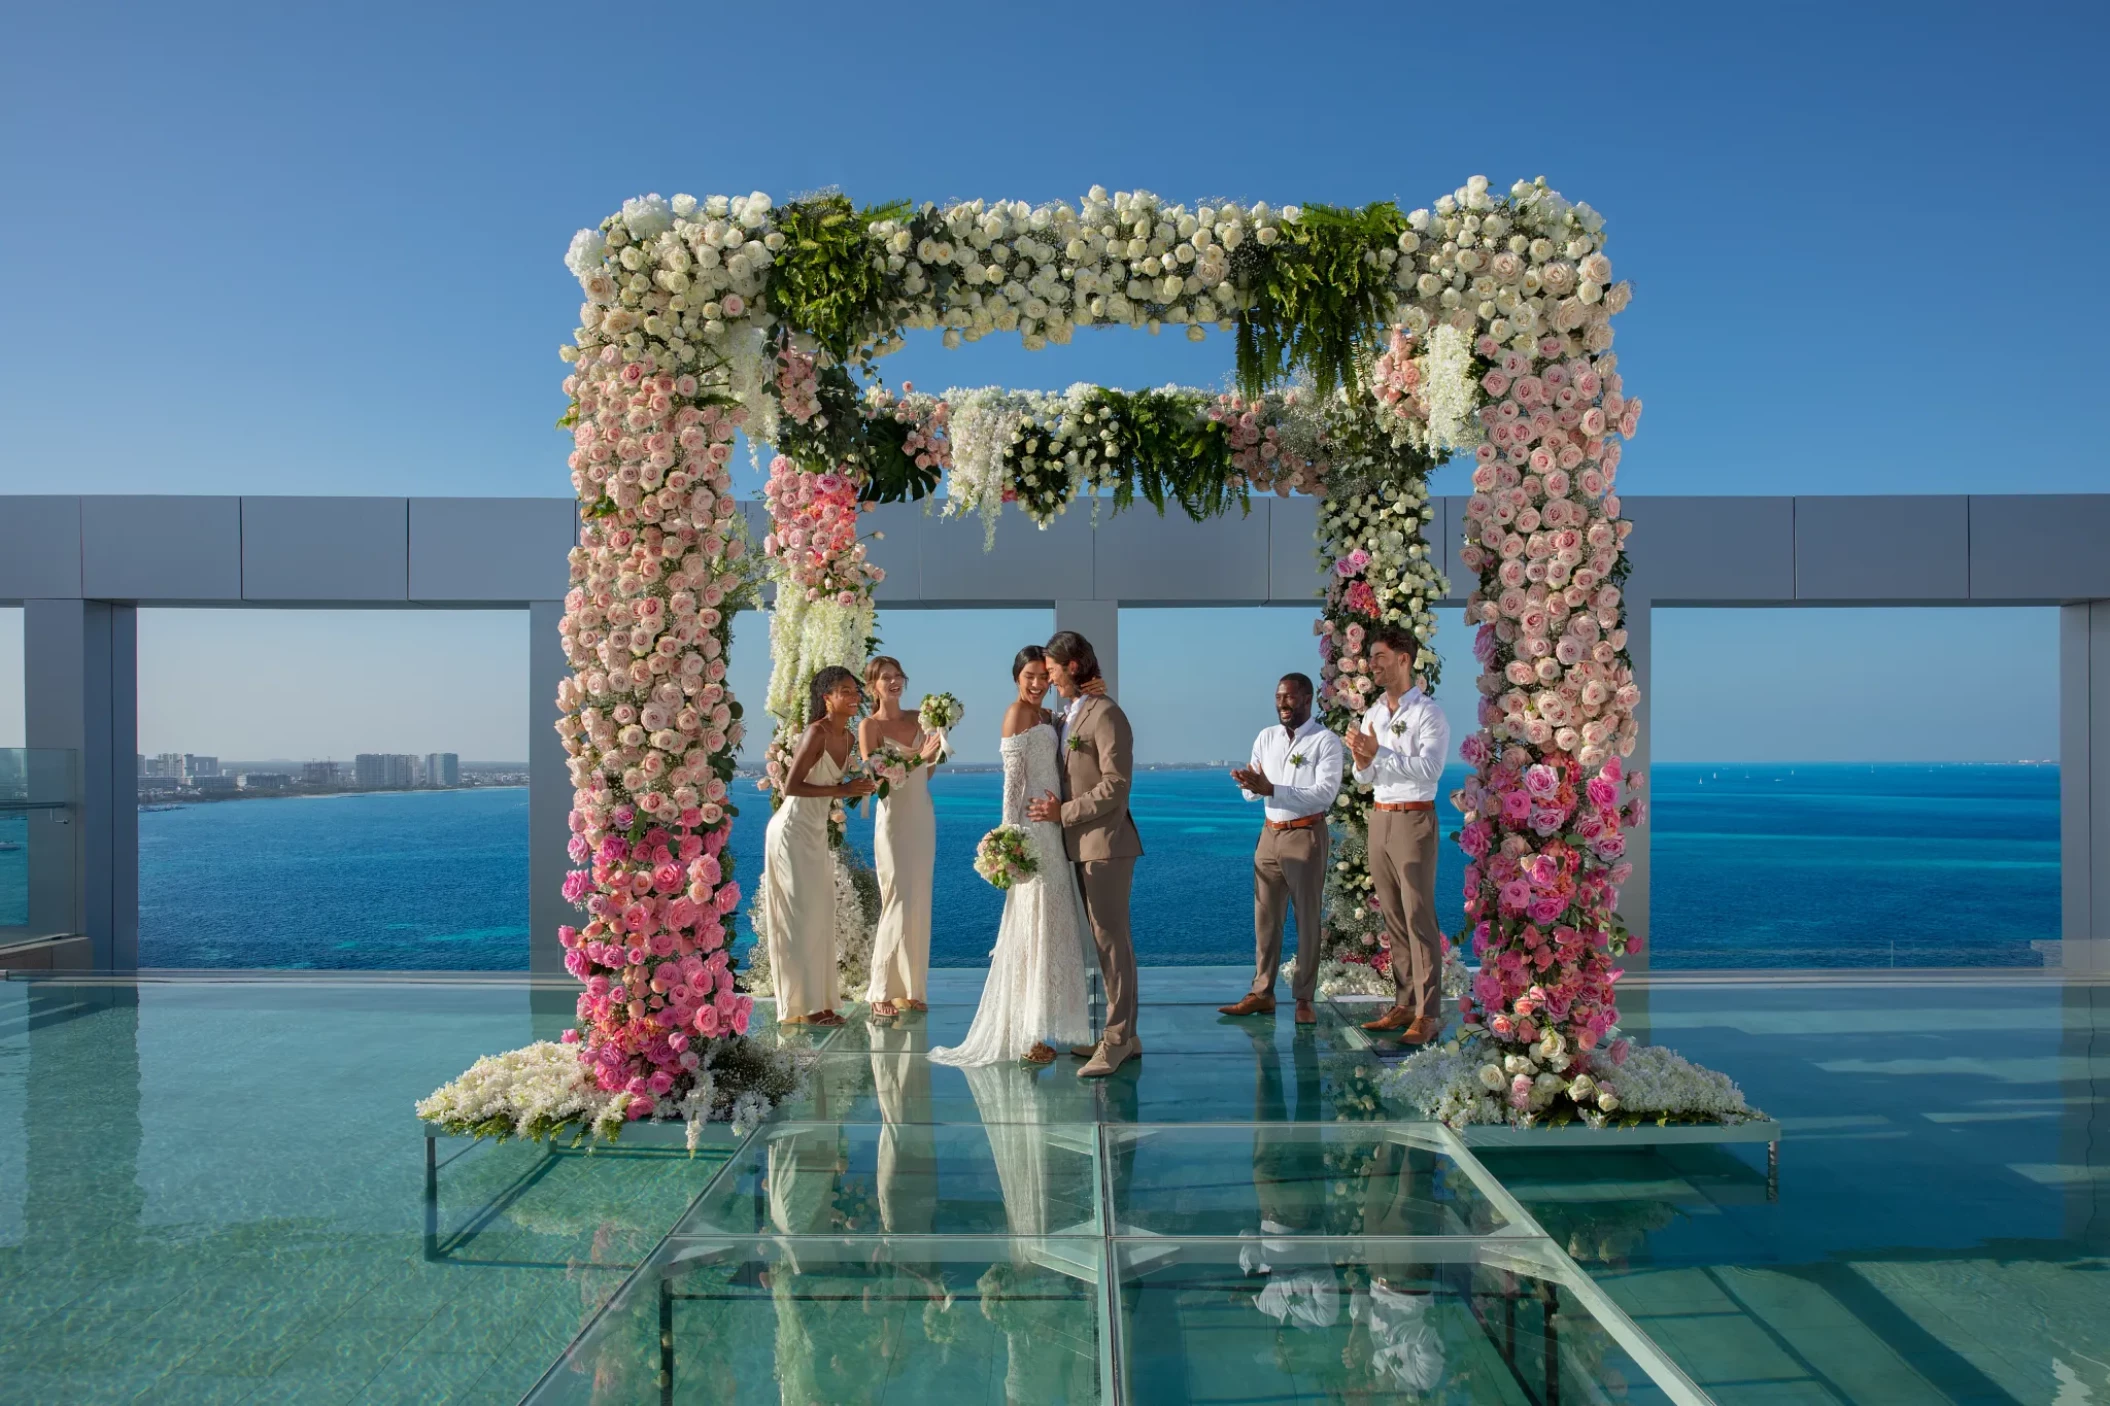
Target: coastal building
{"x": 384, "y": 771}
{"x": 195, "y": 766}
{"x": 215, "y": 784}
{"x": 322, "y": 776}
{"x": 266, "y": 781}
{"x": 443, "y": 769}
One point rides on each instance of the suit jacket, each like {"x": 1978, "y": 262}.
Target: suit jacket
{"x": 1098, "y": 765}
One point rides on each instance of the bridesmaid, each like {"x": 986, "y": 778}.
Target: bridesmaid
{"x": 904, "y": 844}
{"x": 799, "y": 873}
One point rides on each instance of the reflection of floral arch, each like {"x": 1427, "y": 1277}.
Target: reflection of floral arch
{"x": 1482, "y": 325}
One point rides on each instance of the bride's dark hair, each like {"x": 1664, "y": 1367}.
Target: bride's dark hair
{"x": 1031, "y": 654}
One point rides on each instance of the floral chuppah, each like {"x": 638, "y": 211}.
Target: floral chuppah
{"x": 1415, "y": 335}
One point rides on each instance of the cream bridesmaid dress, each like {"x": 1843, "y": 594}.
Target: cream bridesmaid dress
{"x": 905, "y": 849}
{"x": 798, "y": 887}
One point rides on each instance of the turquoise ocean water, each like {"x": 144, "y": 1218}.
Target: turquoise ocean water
{"x": 1808, "y": 865}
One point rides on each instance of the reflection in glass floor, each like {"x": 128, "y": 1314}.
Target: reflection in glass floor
{"x": 1239, "y": 1219}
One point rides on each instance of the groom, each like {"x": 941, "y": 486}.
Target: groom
{"x": 1098, "y": 764}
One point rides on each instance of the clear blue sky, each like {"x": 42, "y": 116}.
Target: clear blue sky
{"x": 316, "y": 250}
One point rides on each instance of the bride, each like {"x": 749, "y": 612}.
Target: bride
{"x": 1034, "y": 1000}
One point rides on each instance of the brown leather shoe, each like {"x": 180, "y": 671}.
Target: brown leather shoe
{"x": 1305, "y": 1014}
{"x": 1253, "y": 1003}
{"x": 1397, "y": 1018}
{"x": 1421, "y": 1031}
{"x": 1107, "y": 1060}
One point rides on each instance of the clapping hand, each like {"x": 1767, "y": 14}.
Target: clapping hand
{"x": 1044, "y": 807}
{"x": 933, "y": 747}
{"x": 1362, "y": 746}
{"x": 1251, "y": 779}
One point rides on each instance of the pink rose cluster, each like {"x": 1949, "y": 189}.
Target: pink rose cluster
{"x": 1545, "y": 819}
{"x": 1258, "y": 452}
{"x": 925, "y": 418}
{"x": 1352, "y": 611}
{"x": 1396, "y": 380}
{"x": 813, "y": 533}
{"x": 649, "y": 725}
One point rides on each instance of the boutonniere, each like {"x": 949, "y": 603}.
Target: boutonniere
{"x": 1076, "y": 744}
{"x": 1399, "y": 725}
{"x": 1296, "y": 759}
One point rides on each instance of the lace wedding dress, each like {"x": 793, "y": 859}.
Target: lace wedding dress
{"x": 1036, "y": 986}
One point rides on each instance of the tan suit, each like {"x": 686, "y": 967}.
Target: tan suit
{"x": 1099, "y": 835}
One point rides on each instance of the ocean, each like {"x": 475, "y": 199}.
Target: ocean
{"x": 1833, "y": 865}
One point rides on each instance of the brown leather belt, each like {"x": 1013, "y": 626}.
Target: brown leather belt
{"x": 1302, "y": 822}
{"x": 1402, "y": 805}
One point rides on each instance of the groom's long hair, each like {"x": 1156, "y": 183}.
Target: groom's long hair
{"x": 1069, "y": 647}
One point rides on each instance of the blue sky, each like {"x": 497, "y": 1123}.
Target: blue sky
{"x": 308, "y": 250}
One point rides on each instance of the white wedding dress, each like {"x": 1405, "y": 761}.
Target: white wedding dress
{"x": 1036, "y": 987}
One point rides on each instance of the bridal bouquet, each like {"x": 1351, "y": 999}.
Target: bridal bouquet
{"x": 1005, "y": 856}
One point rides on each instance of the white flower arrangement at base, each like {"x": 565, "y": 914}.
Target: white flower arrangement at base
{"x": 1338, "y": 978}
{"x": 1473, "y": 1080}
{"x": 542, "y": 1091}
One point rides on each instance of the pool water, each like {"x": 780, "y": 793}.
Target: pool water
{"x": 212, "y": 1190}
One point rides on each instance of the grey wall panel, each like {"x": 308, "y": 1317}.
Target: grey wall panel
{"x": 161, "y": 548}
{"x": 893, "y": 535}
{"x": 1144, "y": 559}
{"x": 1713, "y": 551}
{"x": 40, "y": 548}
{"x": 496, "y": 551}
{"x": 1882, "y": 549}
{"x": 1027, "y": 566}
{"x": 1446, "y": 536}
{"x": 320, "y": 551}
{"x": 2040, "y": 547}
{"x": 1294, "y": 572}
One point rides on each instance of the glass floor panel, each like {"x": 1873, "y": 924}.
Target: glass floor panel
{"x": 1939, "y": 1230}
{"x": 813, "y": 1322}
{"x": 1268, "y": 1181}
{"x": 1030, "y": 1179}
{"x": 1363, "y": 1320}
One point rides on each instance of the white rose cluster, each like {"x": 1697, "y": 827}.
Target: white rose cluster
{"x": 1478, "y": 1080}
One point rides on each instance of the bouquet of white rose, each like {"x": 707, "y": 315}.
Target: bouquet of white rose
{"x": 1005, "y": 856}
{"x": 940, "y": 711}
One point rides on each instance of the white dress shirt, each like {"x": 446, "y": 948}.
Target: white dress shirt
{"x": 1413, "y": 742}
{"x": 1303, "y": 786}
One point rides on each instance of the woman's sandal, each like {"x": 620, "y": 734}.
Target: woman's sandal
{"x": 917, "y": 1006}
{"x": 1039, "y": 1054}
{"x": 885, "y": 1008}
{"x": 827, "y": 1018}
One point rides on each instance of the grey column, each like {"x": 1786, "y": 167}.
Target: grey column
{"x": 549, "y": 790}
{"x": 2084, "y": 786}
{"x": 1633, "y": 899}
{"x": 81, "y": 693}
{"x": 1100, "y": 622}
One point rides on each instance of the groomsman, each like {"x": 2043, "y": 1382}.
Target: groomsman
{"x": 1296, "y": 768}
{"x": 1400, "y": 749}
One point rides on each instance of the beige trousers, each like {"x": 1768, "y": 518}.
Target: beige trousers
{"x": 1403, "y": 865}
{"x": 1289, "y": 872}
{"x": 1106, "y": 883}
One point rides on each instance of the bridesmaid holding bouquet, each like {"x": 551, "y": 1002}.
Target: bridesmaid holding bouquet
{"x": 904, "y": 840}
{"x": 798, "y": 879}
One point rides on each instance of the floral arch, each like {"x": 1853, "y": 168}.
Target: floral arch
{"x": 1372, "y": 344}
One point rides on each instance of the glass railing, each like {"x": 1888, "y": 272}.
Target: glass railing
{"x": 39, "y": 844}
